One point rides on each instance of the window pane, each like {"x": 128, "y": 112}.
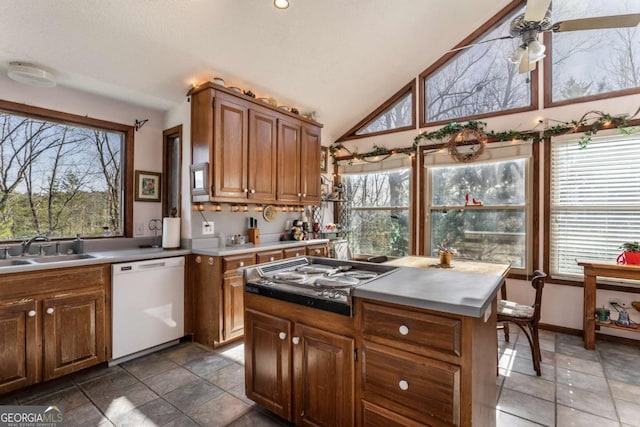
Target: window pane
{"x": 397, "y": 116}
{"x": 478, "y": 80}
{"x": 378, "y": 189}
{"x": 499, "y": 183}
{"x": 595, "y": 199}
{"x": 379, "y": 232}
{"x": 488, "y": 235}
{"x": 592, "y": 62}
{"x": 58, "y": 179}
{"x": 373, "y": 230}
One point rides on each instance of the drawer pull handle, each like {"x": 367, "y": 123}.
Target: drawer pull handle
{"x": 210, "y": 261}
{"x": 403, "y": 385}
{"x": 296, "y": 340}
{"x": 297, "y": 253}
{"x": 31, "y": 313}
{"x": 403, "y": 330}
{"x": 271, "y": 258}
{"x": 241, "y": 264}
{"x": 198, "y": 259}
{"x": 282, "y": 335}
{"x": 50, "y": 310}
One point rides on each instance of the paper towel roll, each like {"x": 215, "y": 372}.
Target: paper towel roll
{"x": 171, "y": 233}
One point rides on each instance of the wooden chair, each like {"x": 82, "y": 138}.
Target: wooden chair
{"x": 526, "y": 317}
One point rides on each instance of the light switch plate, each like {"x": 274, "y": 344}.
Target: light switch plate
{"x": 207, "y": 228}
{"x": 139, "y": 229}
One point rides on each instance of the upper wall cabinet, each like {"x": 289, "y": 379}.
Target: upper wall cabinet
{"x": 256, "y": 153}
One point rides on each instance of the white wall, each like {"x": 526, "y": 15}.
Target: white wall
{"x": 562, "y": 305}
{"x": 148, "y": 141}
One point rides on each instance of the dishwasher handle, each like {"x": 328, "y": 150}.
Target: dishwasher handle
{"x": 150, "y": 266}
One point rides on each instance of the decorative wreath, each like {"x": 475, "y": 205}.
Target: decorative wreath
{"x": 467, "y": 137}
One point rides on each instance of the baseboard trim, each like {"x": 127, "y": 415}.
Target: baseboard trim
{"x": 603, "y": 337}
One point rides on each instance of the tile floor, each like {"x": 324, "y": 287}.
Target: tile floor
{"x": 189, "y": 385}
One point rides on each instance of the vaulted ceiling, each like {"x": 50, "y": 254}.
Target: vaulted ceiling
{"x": 340, "y": 58}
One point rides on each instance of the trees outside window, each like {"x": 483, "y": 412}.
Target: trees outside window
{"x": 59, "y": 179}
{"x": 399, "y": 115}
{"x": 593, "y": 62}
{"x": 494, "y": 232}
{"x": 477, "y": 81}
{"x": 379, "y": 218}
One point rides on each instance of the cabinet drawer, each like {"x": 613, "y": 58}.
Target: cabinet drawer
{"x": 268, "y": 256}
{"x": 375, "y": 416}
{"x": 294, "y": 252}
{"x": 230, "y": 264}
{"x": 398, "y": 327}
{"x": 317, "y": 250}
{"x": 417, "y": 387}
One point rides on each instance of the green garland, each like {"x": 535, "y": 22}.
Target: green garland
{"x": 589, "y": 124}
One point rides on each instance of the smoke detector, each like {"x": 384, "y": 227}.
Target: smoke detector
{"x": 31, "y": 74}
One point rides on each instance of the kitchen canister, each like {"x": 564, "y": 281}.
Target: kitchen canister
{"x": 171, "y": 233}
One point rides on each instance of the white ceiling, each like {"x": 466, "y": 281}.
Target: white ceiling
{"x": 340, "y": 58}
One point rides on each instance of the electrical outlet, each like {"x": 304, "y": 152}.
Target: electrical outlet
{"x": 207, "y": 228}
{"x": 615, "y": 301}
{"x": 139, "y": 229}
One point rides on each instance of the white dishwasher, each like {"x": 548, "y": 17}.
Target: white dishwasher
{"x": 147, "y": 306}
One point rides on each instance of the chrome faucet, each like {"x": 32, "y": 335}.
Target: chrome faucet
{"x": 27, "y": 243}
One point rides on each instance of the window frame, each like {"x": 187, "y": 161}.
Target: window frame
{"x": 68, "y": 118}
{"x": 547, "y": 218}
{"x": 494, "y": 21}
{"x": 532, "y": 204}
{"x": 410, "y": 208}
{"x": 406, "y": 89}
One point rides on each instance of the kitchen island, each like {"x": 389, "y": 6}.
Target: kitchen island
{"x": 420, "y": 348}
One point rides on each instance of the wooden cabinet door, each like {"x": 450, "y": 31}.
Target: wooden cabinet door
{"x": 263, "y": 153}
{"x": 323, "y": 378}
{"x": 233, "y": 291}
{"x": 289, "y": 167}
{"x": 230, "y": 152}
{"x": 73, "y": 332}
{"x": 267, "y": 347}
{"x": 19, "y": 352}
{"x": 310, "y": 161}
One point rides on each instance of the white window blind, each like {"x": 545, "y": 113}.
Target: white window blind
{"x": 595, "y": 201}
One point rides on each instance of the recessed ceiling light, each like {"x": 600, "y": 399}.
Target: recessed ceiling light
{"x": 31, "y": 74}
{"x": 281, "y": 4}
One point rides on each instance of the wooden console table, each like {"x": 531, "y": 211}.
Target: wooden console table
{"x": 593, "y": 269}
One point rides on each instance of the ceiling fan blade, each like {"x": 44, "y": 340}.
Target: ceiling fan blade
{"x": 615, "y": 21}
{"x": 536, "y": 10}
{"x": 455, "y": 49}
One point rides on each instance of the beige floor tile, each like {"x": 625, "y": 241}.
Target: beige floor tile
{"x": 629, "y": 412}
{"x": 600, "y": 404}
{"x": 534, "y": 386}
{"x": 581, "y": 380}
{"x": 526, "y": 406}
{"x": 576, "y": 364}
{"x": 221, "y": 411}
{"x": 624, "y": 391}
{"x": 571, "y": 417}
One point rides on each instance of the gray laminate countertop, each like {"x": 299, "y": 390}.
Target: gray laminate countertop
{"x": 447, "y": 291}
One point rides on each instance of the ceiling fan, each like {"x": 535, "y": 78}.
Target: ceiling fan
{"x": 537, "y": 20}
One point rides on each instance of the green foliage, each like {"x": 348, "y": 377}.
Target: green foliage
{"x": 630, "y": 246}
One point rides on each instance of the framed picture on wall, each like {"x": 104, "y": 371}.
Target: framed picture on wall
{"x": 147, "y": 186}
{"x": 324, "y": 159}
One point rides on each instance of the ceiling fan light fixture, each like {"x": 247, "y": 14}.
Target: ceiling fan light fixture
{"x": 536, "y": 51}
{"x": 281, "y": 4}
{"x": 30, "y": 74}
{"x": 516, "y": 55}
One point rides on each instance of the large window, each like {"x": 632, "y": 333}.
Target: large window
{"x": 595, "y": 200}
{"x": 379, "y": 217}
{"x": 493, "y": 225}
{"x": 593, "y": 62}
{"x": 478, "y": 81}
{"x": 59, "y": 179}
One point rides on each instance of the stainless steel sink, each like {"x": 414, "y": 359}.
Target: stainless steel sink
{"x": 13, "y": 262}
{"x": 61, "y": 258}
